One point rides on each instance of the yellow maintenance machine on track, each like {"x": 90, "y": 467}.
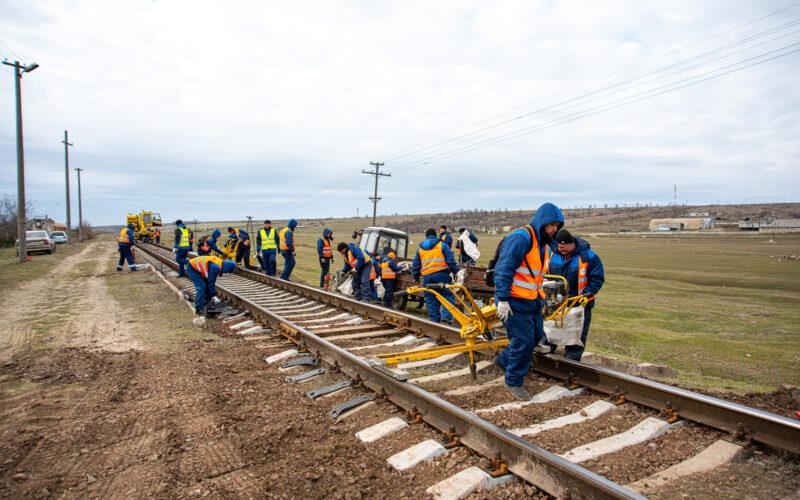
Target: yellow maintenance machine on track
{"x": 145, "y": 225}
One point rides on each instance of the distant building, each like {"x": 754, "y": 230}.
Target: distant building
{"x": 771, "y": 226}
{"x": 702, "y": 214}
{"x": 683, "y": 224}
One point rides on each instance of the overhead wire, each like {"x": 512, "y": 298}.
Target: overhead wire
{"x": 515, "y": 121}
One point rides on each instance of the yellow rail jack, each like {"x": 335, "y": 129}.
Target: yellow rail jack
{"x": 475, "y": 321}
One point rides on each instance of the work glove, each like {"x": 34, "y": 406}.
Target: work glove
{"x": 503, "y": 311}
{"x": 215, "y": 300}
{"x": 174, "y": 250}
{"x": 322, "y": 260}
{"x": 294, "y": 254}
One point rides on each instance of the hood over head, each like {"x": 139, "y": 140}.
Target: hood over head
{"x": 326, "y": 232}
{"x": 292, "y": 224}
{"x": 216, "y": 234}
{"x": 228, "y": 266}
{"x": 546, "y": 214}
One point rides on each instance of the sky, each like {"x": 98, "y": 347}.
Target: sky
{"x": 219, "y": 110}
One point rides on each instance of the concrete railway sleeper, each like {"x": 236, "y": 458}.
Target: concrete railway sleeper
{"x": 269, "y": 299}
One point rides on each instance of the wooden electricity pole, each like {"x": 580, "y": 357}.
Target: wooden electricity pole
{"x": 375, "y": 198}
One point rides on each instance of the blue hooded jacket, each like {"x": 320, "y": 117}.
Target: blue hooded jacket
{"x": 567, "y": 266}
{"x": 289, "y": 236}
{"x": 515, "y": 246}
{"x": 358, "y": 254}
{"x": 130, "y": 238}
{"x": 430, "y": 242}
{"x": 242, "y": 233}
{"x": 320, "y": 243}
{"x": 212, "y": 241}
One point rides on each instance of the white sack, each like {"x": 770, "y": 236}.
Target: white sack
{"x": 468, "y": 247}
{"x": 570, "y": 331}
{"x": 346, "y": 288}
{"x": 460, "y": 276}
{"x": 379, "y": 288}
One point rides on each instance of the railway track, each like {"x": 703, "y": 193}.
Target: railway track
{"x": 335, "y": 331}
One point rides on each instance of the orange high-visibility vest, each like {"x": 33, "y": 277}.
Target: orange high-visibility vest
{"x": 583, "y": 268}
{"x": 245, "y": 243}
{"x": 327, "y": 250}
{"x": 373, "y": 273}
{"x": 433, "y": 260}
{"x": 123, "y": 236}
{"x": 527, "y": 282}
{"x": 284, "y": 243}
{"x": 200, "y": 264}
{"x": 353, "y": 260}
{"x": 386, "y": 271}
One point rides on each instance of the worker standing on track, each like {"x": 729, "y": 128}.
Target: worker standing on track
{"x": 287, "y": 249}
{"x": 182, "y": 247}
{"x": 435, "y": 262}
{"x": 325, "y": 254}
{"x": 583, "y": 269}
{"x": 463, "y": 258}
{"x": 209, "y": 243}
{"x": 125, "y": 242}
{"x": 204, "y": 271}
{"x": 357, "y": 263}
{"x": 267, "y": 243}
{"x": 445, "y": 236}
{"x": 389, "y": 271}
{"x": 519, "y": 274}
{"x": 158, "y": 236}
{"x": 241, "y": 242}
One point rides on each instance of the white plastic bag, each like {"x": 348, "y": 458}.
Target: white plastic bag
{"x": 468, "y": 247}
{"x": 379, "y": 288}
{"x": 570, "y": 331}
{"x": 460, "y": 276}
{"x": 346, "y": 288}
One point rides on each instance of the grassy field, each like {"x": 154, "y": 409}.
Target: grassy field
{"x": 13, "y": 273}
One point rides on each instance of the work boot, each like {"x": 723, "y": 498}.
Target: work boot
{"x": 518, "y": 392}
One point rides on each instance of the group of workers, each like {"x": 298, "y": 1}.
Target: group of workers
{"x": 523, "y": 259}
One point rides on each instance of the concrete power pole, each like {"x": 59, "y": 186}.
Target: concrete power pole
{"x": 80, "y": 208}
{"x": 375, "y": 198}
{"x": 67, "y": 144}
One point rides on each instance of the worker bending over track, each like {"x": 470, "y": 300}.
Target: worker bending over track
{"x": 287, "y": 249}
{"x": 358, "y": 264}
{"x": 325, "y": 254}
{"x": 241, "y": 242}
{"x": 267, "y": 243}
{"x": 209, "y": 243}
{"x": 125, "y": 242}
{"x": 521, "y": 264}
{"x": 435, "y": 262}
{"x": 583, "y": 269}
{"x": 389, "y": 271}
{"x": 182, "y": 247}
{"x": 204, "y": 271}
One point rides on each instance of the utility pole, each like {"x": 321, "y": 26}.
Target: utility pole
{"x": 375, "y": 198}
{"x": 250, "y": 229}
{"x": 67, "y": 144}
{"x": 80, "y": 207}
{"x": 21, "y": 219}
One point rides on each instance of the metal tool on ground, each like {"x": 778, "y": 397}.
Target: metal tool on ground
{"x": 475, "y": 321}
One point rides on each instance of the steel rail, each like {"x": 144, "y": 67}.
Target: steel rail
{"x": 764, "y": 427}
{"x": 544, "y": 469}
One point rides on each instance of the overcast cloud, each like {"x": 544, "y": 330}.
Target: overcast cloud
{"x": 215, "y": 111}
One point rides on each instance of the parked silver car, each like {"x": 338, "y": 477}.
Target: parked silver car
{"x": 37, "y": 241}
{"x": 58, "y": 236}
